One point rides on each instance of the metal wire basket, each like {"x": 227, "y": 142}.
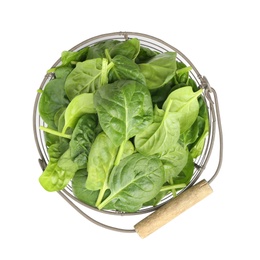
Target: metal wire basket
{"x": 210, "y": 98}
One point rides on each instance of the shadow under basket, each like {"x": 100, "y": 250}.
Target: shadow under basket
{"x": 152, "y": 218}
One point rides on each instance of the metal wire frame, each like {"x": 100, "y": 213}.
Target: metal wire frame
{"x": 209, "y": 95}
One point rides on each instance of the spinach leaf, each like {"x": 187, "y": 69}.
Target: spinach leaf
{"x": 160, "y": 136}
{"x": 79, "y": 188}
{"x": 53, "y": 97}
{"x": 80, "y": 105}
{"x": 144, "y": 55}
{"x": 134, "y": 181}
{"x": 100, "y": 162}
{"x": 60, "y": 169}
{"x": 155, "y": 200}
{"x": 203, "y": 129}
{"x": 124, "y": 108}
{"x": 182, "y": 73}
{"x": 129, "y": 48}
{"x": 186, "y": 173}
{"x": 56, "y": 150}
{"x": 174, "y": 160}
{"x": 185, "y": 105}
{"x": 125, "y": 68}
{"x": 192, "y": 134}
{"x": 159, "y": 70}
{"x": 87, "y": 76}
{"x": 160, "y": 95}
{"x": 82, "y": 138}
{"x": 98, "y": 50}
{"x": 68, "y": 57}
{"x": 66, "y": 164}
{"x": 128, "y": 149}
{"x": 124, "y": 124}
{"x": 54, "y": 178}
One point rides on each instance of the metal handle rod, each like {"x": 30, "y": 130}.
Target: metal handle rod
{"x": 220, "y": 132}
{"x": 93, "y": 220}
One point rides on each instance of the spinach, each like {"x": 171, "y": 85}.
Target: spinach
{"x": 182, "y": 73}
{"x": 124, "y": 124}
{"x": 144, "y": 55}
{"x": 186, "y": 173}
{"x": 82, "y": 139}
{"x": 68, "y": 57}
{"x": 100, "y": 162}
{"x": 53, "y": 97}
{"x": 87, "y": 77}
{"x": 159, "y": 70}
{"x": 81, "y": 192}
{"x": 185, "y": 103}
{"x": 60, "y": 168}
{"x": 98, "y": 50}
{"x": 160, "y": 136}
{"x": 125, "y": 68}
{"x": 129, "y": 49}
{"x": 174, "y": 160}
{"x": 124, "y": 108}
{"x": 203, "y": 129}
{"x": 134, "y": 181}
{"x": 79, "y": 106}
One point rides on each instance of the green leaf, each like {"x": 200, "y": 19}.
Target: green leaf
{"x": 160, "y": 136}
{"x": 134, "y": 181}
{"x": 58, "y": 173}
{"x": 203, "y": 129}
{"x": 182, "y": 72}
{"x": 80, "y": 105}
{"x": 100, "y": 162}
{"x": 67, "y": 57}
{"x": 81, "y": 192}
{"x": 159, "y": 70}
{"x": 125, "y": 68}
{"x": 174, "y": 160}
{"x": 98, "y": 49}
{"x": 82, "y": 139}
{"x": 186, "y": 173}
{"x": 87, "y": 76}
{"x": 184, "y": 102}
{"x": 129, "y": 49}
{"x": 144, "y": 55}
{"x": 53, "y": 97}
{"x": 124, "y": 108}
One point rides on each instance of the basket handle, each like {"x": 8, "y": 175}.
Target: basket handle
{"x": 173, "y": 208}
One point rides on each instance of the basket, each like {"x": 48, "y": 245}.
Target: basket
{"x": 168, "y": 207}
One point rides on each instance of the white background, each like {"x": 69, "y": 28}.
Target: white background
{"x": 221, "y": 38}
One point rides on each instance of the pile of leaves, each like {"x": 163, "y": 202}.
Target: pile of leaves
{"x": 123, "y": 125}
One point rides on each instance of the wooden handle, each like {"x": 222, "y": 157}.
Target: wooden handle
{"x": 173, "y": 208}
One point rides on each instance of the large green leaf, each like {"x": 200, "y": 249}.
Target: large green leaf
{"x": 124, "y": 109}
{"x": 82, "y": 139}
{"x": 184, "y": 102}
{"x": 80, "y": 105}
{"x": 87, "y": 76}
{"x": 159, "y": 70}
{"x": 160, "y": 136}
{"x": 136, "y": 180}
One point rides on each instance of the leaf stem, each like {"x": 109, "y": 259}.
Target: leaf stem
{"x": 120, "y": 153}
{"x": 168, "y": 107}
{"x": 105, "y": 202}
{"x": 174, "y": 186}
{"x": 54, "y": 132}
{"x": 101, "y": 195}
